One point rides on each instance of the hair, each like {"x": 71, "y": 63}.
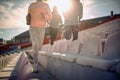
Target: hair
{"x": 55, "y": 9}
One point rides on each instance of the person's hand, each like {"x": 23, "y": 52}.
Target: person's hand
{"x": 43, "y": 16}
{"x": 28, "y": 18}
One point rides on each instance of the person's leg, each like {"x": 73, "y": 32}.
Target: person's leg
{"x": 39, "y": 42}
{"x": 51, "y": 36}
{"x": 75, "y": 31}
{"x": 33, "y": 36}
{"x": 53, "y": 33}
{"x": 37, "y": 37}
{"x": 41, "y": 36}
{"x": 67, "y": 33}
{"x": 75, "y": 35}
{"x": 32, "y": 33}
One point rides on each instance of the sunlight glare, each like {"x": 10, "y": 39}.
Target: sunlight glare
{"x": 62, "y": 5}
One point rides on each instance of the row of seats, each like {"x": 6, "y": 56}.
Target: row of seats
{"x": 56, "y": 62}
{"x": 5, "y": 59}
{"x": 88, "y": 43}
{"x": 85, "y": 58}
{"x": 64, "y": 65}
{"x": 89, "y": 46}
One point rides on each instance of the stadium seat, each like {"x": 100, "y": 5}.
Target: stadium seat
{"x": 74, "y": 47}
{"x": 42, "y": 58}
{"x": 90, "y": 46}
{"x": 114, "y": 31}
{"x": 64, "y": 46}
{"x": 102, "y": 35}
{"x": 112, "y": 46}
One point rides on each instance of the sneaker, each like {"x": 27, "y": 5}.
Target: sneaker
{"x": 35, "y": 68}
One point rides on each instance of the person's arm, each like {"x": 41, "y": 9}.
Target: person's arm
{"x": 60, "y": 19}
{"x": 28, "y": 16}
{"x": 48, "y": 16}
{"x": 80, "y": 11}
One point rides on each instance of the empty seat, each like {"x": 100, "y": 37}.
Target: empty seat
{"x": 91, "y": 46}
{"x": 69, "y": 57}
{"x": 75, "y": 47}
{"x": 102, "y": 35}
{"x": 65, "y": 45}
{"x": 112, "y": 46}
{"x": 114, "y": 31}
{"x": 42, "y": 58}
{"x": 99, "y": 63}
{"x": 83, "y": 35}
{"x": 60, "y": 43}
{"x": 47, "y": 48}
{"x": 114, "y": 27}
{"x": 90, "y": 73}
{"x": 56, "y": 46}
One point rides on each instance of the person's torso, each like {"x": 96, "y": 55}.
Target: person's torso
{"x": 55, "y": 20}
{"x": 35, "y": 10}
{"x": 71, "y": 16}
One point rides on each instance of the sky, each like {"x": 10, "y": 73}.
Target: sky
{"x": 13, "y": 13}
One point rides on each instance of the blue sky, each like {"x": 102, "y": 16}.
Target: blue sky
{"x": 13, "y": 12}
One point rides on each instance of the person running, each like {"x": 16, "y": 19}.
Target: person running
{"x": 38, "y": 14}
{"x": 54, "y": 24}
{"x": 72, "y": 18}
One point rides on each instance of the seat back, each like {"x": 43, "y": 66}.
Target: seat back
{"x": 65, "y": 45}
{"x": 90, "y": 46}
{"x": 75, "y": 47}
{"x": 114, "y": 31}
{"x": 112, "y": 46}
{"x": 102, "y": 35}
